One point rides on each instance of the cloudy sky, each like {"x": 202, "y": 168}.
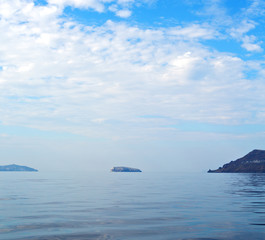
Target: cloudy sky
{"x": 171, "y": 85}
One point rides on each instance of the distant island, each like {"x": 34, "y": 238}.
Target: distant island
{"x": 253, "y": 162}
{"x": 16, "y": 168}
{"x": 125, "y": 169}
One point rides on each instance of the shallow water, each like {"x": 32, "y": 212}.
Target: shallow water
{"x": 113, "y": 206}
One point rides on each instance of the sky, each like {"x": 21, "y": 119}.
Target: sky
{"x": 161, "y": 85}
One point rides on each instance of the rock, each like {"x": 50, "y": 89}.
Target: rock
{"x": 253, "y": 162}
{"x": 16, "y": 168}
{"x": 125, "y": 169}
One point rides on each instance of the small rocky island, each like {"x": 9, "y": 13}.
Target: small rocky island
{"x": 253, "y": 162}
{"x": 16, "y": 168}
{"x": 125, "y": 169}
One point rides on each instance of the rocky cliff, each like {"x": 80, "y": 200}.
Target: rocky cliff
{"x": 253, "y": 162}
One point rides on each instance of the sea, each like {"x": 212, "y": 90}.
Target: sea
{"x": 131, "y": 206}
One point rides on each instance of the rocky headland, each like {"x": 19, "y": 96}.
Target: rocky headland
{"x": 253, "y": 162}
{"x": 125, "y": 169}
{"x": 16, "y": 168}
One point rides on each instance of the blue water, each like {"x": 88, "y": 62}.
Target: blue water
{"x": 106, "y": 206}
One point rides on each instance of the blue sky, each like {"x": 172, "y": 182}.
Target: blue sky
{"x": 159, "y": 85}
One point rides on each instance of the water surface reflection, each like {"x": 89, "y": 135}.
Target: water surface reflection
{"x": 133, "y": 207}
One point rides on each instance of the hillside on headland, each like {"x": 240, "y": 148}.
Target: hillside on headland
{"x": 17, "y": 168}
{"x": 253, "y": 162}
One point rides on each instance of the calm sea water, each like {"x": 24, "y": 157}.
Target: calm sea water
{"x": 106, "y": 206}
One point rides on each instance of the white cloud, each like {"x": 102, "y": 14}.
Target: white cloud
{"x": 238, "y": 25}
{"x": 97, "y": 81}
{"x": 120, "y": 7}
{"x": 124, "y": 13}
{"x": 97, "y": 5}
{"x": 256, "y": 8}
{"x": 243, "y": 28}
{"x": 194, "y": 31}
{"x": 249, "y": 42}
